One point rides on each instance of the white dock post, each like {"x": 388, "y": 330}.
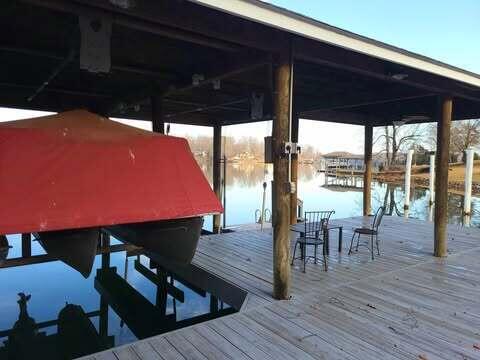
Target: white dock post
{"x": 408, "y": 175}
{"x": 431, "y": 183}
{"x": 467, "y": 204}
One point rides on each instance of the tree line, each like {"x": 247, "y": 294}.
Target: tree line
{"x": 399, "y": 138}
{"x": 390, "y": 141}
{"x": 241, "y": 146}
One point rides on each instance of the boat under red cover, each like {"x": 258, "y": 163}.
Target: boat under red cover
{"x": 79, "y": 170}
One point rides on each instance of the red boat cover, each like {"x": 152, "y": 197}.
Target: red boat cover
{"x": 77, "y": 169}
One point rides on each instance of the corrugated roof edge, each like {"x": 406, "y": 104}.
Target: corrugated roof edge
{"x": 231, "y": 6}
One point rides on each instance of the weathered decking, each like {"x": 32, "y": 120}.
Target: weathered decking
{"x": 404, "y": 305}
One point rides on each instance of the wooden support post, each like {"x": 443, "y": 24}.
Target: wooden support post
{"x": 441, "y": 176}
{"x": 26, "y": 245}
{"x": 281, "y": 193}
{"x": 408, "y": 179}
{"x": 294, "y": 172}
{"x": 467, "y": 200}
{"x": 217, "y": 177}
{"x": 158, "y": 123}
{"x": 105, "y": 243}
{"x": 431, "y": 182}
{"x": 367, "y": 174}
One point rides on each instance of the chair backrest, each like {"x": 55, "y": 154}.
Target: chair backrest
{"x": 377, "y": 220}
{"x": 315, "y": 221}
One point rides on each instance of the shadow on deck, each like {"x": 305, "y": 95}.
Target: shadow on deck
{"x": 405, "y": 304}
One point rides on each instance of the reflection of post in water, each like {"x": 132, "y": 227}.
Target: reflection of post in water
{"x": 161, "y": 298}
{"x": 4, "y": 248}
{"x": 26, "y": 245}
{"x": 103, "y": 319}
{"x": 24, "y": 331}
{"x": 24, "y": 339}
{"x": 389, "y": 201}
{"x": 77, "y": 335}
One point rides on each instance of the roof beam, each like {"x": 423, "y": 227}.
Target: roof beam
{"x": 309, "y": 28}
{"x": 209, "y": 107}
{"x": 164, "y": 74}
{"x": 141, "y": 18}
{"x": 340, "y": 117}
{"x": 343, "y": 106}
{"x": 198, "y": 19}
{"x": 239, "y": 67}
{"x": 336, "y": 57}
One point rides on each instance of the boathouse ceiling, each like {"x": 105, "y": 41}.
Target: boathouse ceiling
{"x": 157, "y": 48}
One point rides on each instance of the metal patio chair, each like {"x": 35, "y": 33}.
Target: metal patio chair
{"x": 371, "y": 231}
{"x": 315, "y": 234}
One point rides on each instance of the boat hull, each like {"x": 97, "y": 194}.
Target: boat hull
{"x": 175, "y": 240}
{"x": 76, "y": 248}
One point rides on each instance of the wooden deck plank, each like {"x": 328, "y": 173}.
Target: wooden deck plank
{"x": 405, "y": 304}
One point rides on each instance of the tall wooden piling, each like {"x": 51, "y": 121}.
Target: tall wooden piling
{"x": 217, "y": 174}
{"x": 281, "y": 194}
{"x": 441, "y": 175}
{"x": 158, "y": 123}
{"x": 431, "y": 180}
{"x": 367, "y": 174}
{"x": 294, "y": 171}
{"x": 26, "y": 245}
{"x": 467, "y": 200}
{"x": 408, "y": 178}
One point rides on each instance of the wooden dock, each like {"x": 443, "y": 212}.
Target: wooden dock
{"x": 405, "y": 304}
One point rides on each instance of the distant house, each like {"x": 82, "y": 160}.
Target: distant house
{"x": 200, "y": 153}
{"x": 347, "y": 161}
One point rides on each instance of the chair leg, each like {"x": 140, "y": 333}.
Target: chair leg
{"x": 304, "y": 246}
{"x": 294, "y": 251}
{"x": 358, "y": 242}
{"x": 371, "y": 247}
{"x": 325, "y": 257}
{"x": 315, "y": 254}
{"x": 351, "y": 243}
{"x": 378, "y": 245}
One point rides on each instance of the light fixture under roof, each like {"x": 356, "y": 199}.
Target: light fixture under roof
{"x": 124, "y": 4}
{"x": 409, "y": 118}
{"x": 399, "y": 76}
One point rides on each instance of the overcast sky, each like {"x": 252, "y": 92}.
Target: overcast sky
{"x": 446, "y": 31}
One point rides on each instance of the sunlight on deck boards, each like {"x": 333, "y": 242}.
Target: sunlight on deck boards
{"x": 405, "y": 304}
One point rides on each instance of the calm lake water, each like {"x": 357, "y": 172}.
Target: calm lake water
{"x": 50, "y": 311}
{"x": 244, "y": 195}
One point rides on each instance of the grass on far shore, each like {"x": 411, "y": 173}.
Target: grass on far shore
{"x": 456, "y": 173}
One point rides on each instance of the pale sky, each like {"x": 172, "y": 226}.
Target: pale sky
{"x": 428, "y": 27}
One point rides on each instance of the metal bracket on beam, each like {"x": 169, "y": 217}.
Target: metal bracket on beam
{"x": 291, "y": 148}
{"x": 291, "y": 187}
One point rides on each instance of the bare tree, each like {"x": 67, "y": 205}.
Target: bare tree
{"x": 398, "y": 138}
{"x": 464, "y": 134}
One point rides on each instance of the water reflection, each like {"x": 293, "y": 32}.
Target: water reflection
{"x": 127, "y": 297}
{"x": 244, "y": 195}
{"x": 392, "y": 196}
